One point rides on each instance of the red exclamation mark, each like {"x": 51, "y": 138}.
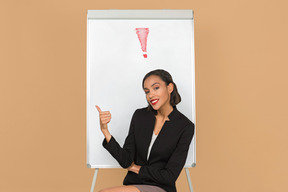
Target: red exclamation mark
{"x": 142, "y": 36}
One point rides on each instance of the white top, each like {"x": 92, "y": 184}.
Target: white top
{"x": 151, "y": 144}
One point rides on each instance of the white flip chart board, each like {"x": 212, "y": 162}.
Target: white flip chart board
{"x": 123, "y": 46}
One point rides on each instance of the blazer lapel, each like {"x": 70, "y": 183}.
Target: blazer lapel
{"x": 146, "y": 134}
{"x": 172, "y": 116}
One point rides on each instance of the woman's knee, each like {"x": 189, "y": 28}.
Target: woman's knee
{"x": 103, "y": 190}
{"x": 120, "y": 189}
{"x": 110, "y": 189}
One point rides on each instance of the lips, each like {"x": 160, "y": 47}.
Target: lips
{"x": 154, "y": 101}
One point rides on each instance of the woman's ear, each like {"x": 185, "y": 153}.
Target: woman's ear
{"x": 170, "y": 87}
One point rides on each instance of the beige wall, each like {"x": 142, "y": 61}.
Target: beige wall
{"x": 241, "y": 95}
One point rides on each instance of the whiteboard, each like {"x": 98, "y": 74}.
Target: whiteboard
{"x": 117, "y": 44}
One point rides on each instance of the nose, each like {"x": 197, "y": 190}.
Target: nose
{"x": 150, "y": 95}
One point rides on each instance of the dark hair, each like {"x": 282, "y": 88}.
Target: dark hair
{"x": 167, "y": 78}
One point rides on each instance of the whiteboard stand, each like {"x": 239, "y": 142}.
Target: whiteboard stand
{"x": 186, "y": 170}
{"x": 94, "y": 180}
{"x": 189, "y": 179}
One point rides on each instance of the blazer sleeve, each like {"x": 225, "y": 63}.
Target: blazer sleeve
{"x": 175, "y": 164}
{"x": 125, "y": 155}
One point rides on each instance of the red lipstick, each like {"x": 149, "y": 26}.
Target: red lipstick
{"x": 154, "y": 102}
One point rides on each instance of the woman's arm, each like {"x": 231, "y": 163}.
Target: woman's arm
{"x": 107, "y": 135}
{"x": 134, "y": 168}
{"x": 124, "y": 156}
{"x": 170, "y": 173}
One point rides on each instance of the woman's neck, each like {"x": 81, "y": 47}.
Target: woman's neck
{"x": 163, "y": 112}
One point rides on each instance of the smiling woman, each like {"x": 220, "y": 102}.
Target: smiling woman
{"x": 161, "y": 84}
{"x": 158, "y": 141}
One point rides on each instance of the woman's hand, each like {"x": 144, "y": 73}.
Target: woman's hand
{"x": 134, "y": 168}
{"x": 104, "y": 117}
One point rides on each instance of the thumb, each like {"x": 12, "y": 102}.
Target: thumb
{"x": 98, "y": 108}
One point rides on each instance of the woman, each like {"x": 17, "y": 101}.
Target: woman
{"x": 153, "y": 164}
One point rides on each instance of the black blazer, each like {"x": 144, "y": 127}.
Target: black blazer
{"x": 168, "y": 153}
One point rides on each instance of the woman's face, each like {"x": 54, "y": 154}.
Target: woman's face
{"x": 157, "y": 92}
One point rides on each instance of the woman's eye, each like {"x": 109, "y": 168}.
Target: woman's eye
{"x": 154, "y": 89}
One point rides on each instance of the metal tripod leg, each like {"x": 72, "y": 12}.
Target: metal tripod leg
{"x": 94, "y": 180}
{"x": 189, "y": 179}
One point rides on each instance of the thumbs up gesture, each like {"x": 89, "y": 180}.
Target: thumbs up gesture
{"x": 105, "y": 117}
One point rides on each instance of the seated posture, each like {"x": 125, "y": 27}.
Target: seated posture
{"x": 156, "y": 148}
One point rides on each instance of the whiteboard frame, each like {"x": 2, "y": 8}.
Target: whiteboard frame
{"x": 139, "y": 14}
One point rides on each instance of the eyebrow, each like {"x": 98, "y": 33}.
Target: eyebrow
{"x": 152, "y": 85}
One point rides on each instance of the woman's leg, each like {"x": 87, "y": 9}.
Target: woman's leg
{"x": 125, "y": 188}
